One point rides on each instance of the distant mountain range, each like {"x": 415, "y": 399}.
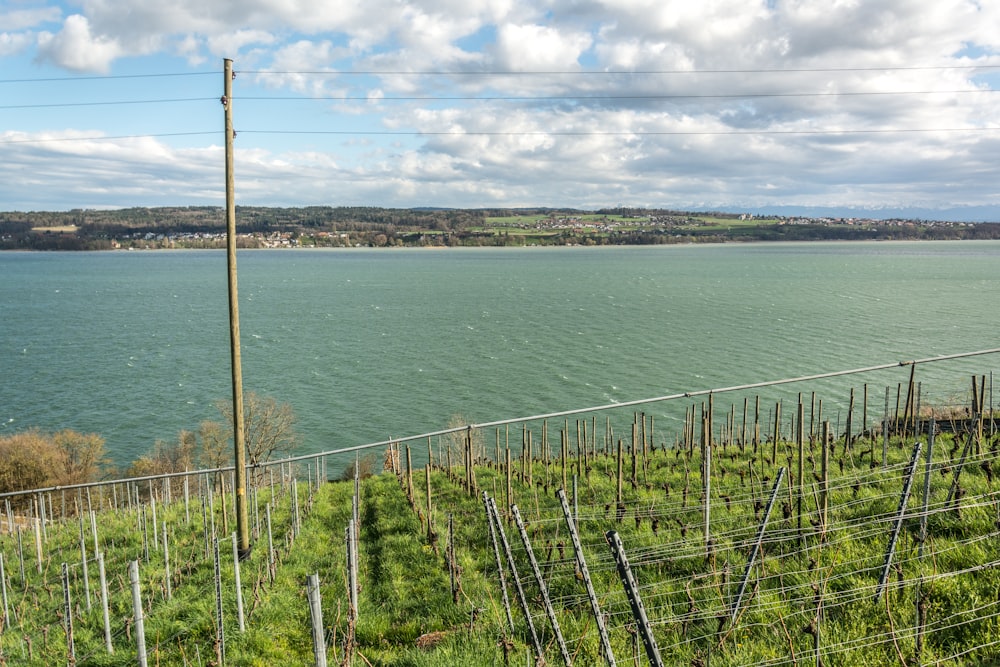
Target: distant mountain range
{"x": 953, "y": 214}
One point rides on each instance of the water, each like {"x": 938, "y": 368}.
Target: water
{"x": 371, "y": 344}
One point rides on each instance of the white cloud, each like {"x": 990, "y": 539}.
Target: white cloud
{"x": 21, "y": 19}
{"x": 14, "y": 43}
{"x": 76, "y": 48}
{"x": 538, "y": 47}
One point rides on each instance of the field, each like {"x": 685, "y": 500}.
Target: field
{"x": 749, "y": 544}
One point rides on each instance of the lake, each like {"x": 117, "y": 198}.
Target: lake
{"x": 370, "y": 344}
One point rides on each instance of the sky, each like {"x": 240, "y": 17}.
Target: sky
{"x": 769, "y": 105}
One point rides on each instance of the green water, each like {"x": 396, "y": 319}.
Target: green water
{"x": 368, "y": 344}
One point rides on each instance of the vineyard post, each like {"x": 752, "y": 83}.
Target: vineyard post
{"x": 166, "y": 562}
{"x": 618, "y": 488}
{"x": 68, "y": 616}
{"x": 706, "y": 483}
{"x": 864, "y": 408}
{"x": 430, "y": 507}
{"x": 824, "y": 483}
{"x": 743, "y": 427}
{"x": 237, "y": 583}
{"x": 41, "y": 513}
{"x": 800, "y": 477}
{"x": 543, "y": 589}
{"x": 756, "y": 423}
{"x": 634, "y": 449}
{"x": 518, "y": 588}
{"x": 295, "y": 507}
{"x": 635, "y": 601}
{"x": 352, "y": 573}
{"x": 270, "y": 543}
{"x": 140, "y": 632}
{"x": 510, "y": 489}
{"x": 928, "y": 465}
{"x": 496, "y": 556}
{"x": 83, "y": 563}
{"x": 849, "y": 431}
{"x": 93, "y": 530}
{"x": 776, "y": 434}
{"x": 38, "y": 543}
{"x": 20, "y": 559}
{"x": 143, "y": 521}
{"x": 409, "y": 476}
{"x": 3, "y": 587}
{"x": 563, "y": 447}
{"x": 581, "y": 564}
{"x": 316, "y": 617}
{"x": 220, "y": 635}
{"x": 900, "y": 514}
{"x": 473, "y": 482}
{"x": 104, "y": 602}
{"x": 205, "y": 528}
{"x": 10, "y": 516}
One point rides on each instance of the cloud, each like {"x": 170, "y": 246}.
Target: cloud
{"x": 76, "y": 48}
{"x": 21, "y": 19}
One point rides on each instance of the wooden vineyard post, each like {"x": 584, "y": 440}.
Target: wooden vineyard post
{"x": 800, "y": 479}
{"x": 509, "y": 498}
{"x": 6, "y": 604}
{"x": 499, "y": 564}
{"x": 618, "y": 489}
{"x": 543, "y": 589}
{"x": 140, "y": 632}
{"x": 430, "y": 506}
{"x": 237, "y": 583}
{"x": 581, "y": 564}
{"x": 706, "y": 482}
{"x": 849, "y": 431}
{"x": 83, "y": 562}
{"x": 920, "y": 609}
{"x": 409, "y": 476}
{"x": 518, "y": 588}
{"x": 316, "y": 619}
{"x": 738, "y": 602}
{"x": 352, "y": 573}
{"x": 900, "y": 514}
{"x": 824, "y": 483}
{"x": 68, "y": 616}
{"x": 104, "y": 602}
{"x": 635, "y": 601}
{"x": 220, "y": 634}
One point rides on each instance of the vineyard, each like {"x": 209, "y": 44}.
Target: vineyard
{"x": 750, "y": 536}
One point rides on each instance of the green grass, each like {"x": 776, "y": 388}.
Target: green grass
{"x": 407, "y": 615}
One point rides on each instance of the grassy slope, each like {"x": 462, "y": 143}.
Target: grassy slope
{"x": 406, "y": 597}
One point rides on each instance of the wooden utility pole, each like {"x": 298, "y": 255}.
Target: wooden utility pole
{"x": 239, "y": 434}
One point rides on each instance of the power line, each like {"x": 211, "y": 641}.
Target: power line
{"x": 55, "y": 105}
{"x": 622, "y": 133}
{"x": 598, "y": 98}
{"x": 610, "y": 72}
{"x": 107, "y": 138}
{"x": 495, "y": 98}
{"x": 108, "y": 77}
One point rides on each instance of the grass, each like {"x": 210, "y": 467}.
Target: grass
{"x": 407, "y": 615}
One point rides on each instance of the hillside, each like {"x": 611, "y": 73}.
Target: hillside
{"x": 323, "y": 226}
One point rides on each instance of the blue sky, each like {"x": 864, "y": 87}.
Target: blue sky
{"x": 858, "y": 106}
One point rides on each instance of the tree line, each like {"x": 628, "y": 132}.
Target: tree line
{"x": 35, "y": 459}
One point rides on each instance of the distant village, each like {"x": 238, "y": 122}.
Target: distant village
{"x": 356, "y": 227}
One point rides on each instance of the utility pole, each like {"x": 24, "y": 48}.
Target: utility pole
{"x": 239, "y": 434}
